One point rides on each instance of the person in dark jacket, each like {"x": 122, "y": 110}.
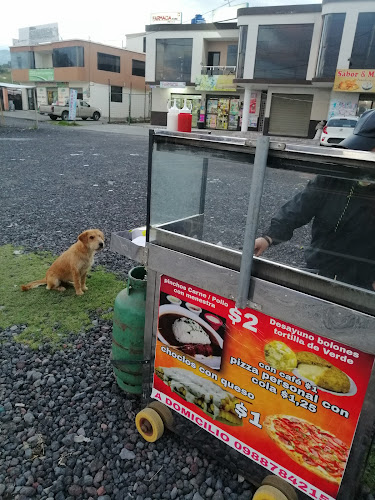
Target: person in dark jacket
{"x": 343, "y": 213}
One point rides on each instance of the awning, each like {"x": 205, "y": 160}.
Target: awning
{"x": 16, "y": 86}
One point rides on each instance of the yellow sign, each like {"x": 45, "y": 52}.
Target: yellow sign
{"x": 215, "y": 82}
{"x": 354, "y": 80}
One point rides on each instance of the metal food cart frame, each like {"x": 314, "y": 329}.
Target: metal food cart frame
{"x": 285, "y": 292}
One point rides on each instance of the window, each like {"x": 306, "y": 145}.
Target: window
{"x": 22, "y": 60}
{"x": 116, "y": 94}
{"x": 173, "y": 59}
{"x": 144, "y": 44}
{"x": 232, "y": 55}
{"x": 336, "y": 122}
{"x": 108, "y": 62}
{"x": 79, "y": 92}
{"x": 363, "y": 53}
{"x": 242, "y": 51}
{"x": 138, "y": 68}
{"x": 283, "y": 51}
{"x": 67, "y": 57}
{"x": 330, "y": 43}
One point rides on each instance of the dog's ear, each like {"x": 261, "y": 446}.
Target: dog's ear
{"x": 84, "y": 237}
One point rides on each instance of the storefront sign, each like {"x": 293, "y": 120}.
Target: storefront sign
{"x": 72, "y": 104}
{"x": 216, "y": 82}
{"x": 286, "y": 398}
{"x": 41, "y": 95}
{"x": 166, "y": 18}
{"x": 354, "y": 80}
{"x": 62, "y": 94}
{"x": 172, "y": 85}
{"x": 41, "y": 75}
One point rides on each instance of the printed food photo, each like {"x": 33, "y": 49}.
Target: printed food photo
{"x": 208, "y": 396}
{"x": 184, "y": 329}
{"x": 309, "y": 367}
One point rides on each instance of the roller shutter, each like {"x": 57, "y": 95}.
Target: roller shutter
{"x": 290, "y": 114}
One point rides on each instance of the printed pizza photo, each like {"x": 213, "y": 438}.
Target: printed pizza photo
{"x": 208, "y": 396}
{"x": 319, "y": 451}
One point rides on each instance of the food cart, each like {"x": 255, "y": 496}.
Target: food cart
{"x": 267, "y": 365}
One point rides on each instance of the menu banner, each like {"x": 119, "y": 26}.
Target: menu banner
{"x": 354, "y": 80}
{"x": 285, "y": 397}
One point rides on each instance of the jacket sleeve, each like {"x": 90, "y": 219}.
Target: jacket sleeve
{"x": 298, "y": 211}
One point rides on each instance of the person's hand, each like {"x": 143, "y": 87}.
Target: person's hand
{"x": 260, "y": 246}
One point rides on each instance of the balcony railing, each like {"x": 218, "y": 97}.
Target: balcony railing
{"x": 218, "y": 70}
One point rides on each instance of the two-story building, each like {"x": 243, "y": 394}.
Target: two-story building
{"x": 289, "y": 57}
{"x": 196, "y": 61}
{"x": 282, "y": 79}
{"x": 110, "y": 78}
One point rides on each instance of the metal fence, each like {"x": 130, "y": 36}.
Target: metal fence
{"x": 128, "y": 106}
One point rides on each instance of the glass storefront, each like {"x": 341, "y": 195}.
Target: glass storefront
{"x": 192, "y": 100}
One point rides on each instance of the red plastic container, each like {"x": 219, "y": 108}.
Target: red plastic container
{"x": 184, "y": 122}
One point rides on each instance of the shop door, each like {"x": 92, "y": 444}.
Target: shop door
{"x": 365, "y": 102}
{"x": 51, "y": 96}
{"x": 290, "y": 114}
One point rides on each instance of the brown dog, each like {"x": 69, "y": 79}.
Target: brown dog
{"x": 73, "y": 265}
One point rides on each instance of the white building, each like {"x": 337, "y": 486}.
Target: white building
{"x": 284, "y": 69}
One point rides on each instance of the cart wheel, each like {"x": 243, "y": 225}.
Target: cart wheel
{"x": 281, "y": 485}
{"x": 149, "y": 425}
{"x": 269, "y": 493}
{"x": 164, "y": 412}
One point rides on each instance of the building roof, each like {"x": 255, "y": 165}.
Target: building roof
{"x": 192, "y": 27}
{"x": 280, "y": 9}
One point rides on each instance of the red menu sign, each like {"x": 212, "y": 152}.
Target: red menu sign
{"x": 287, "y": 398}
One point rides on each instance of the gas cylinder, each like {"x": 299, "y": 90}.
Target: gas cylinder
{"x": 184, "y": 119}
{"x": 172, "y": 117}
{"x": 128, "y": 332}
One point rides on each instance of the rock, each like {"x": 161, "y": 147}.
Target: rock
{"x": 126, "y": 454}
{"x": 29, "y": 418}
{"x": 75, "y": 490}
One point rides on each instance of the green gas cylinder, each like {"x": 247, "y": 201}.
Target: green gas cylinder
{"x": 128, "y": 332}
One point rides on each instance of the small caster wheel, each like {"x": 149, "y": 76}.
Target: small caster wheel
{"x": 279, "y": 483}
{"x": 149, "y": 425}
{"x": 164, "y": 412}
{"x": 269, "y": 493}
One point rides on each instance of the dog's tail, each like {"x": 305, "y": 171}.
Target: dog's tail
{"x": 33, "y": 284}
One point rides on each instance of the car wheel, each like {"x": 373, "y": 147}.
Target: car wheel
{"x": 53, "y": 117}
{"x": 64, "y": 115}
{"x": 96, "y": 116}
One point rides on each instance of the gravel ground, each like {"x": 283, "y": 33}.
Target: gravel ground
{"x": 66, "y": 429}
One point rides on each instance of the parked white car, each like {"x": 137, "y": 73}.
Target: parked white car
{"x": 337, "y": 129}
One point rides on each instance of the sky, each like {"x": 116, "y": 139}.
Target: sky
{"x": 108, "y": 21}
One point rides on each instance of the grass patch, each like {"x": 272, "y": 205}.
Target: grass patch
{"x": 63, "y": 123}
{"x": 49, "y": 315}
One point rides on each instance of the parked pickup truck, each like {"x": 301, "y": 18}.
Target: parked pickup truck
{"x": 84, "y": 111}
